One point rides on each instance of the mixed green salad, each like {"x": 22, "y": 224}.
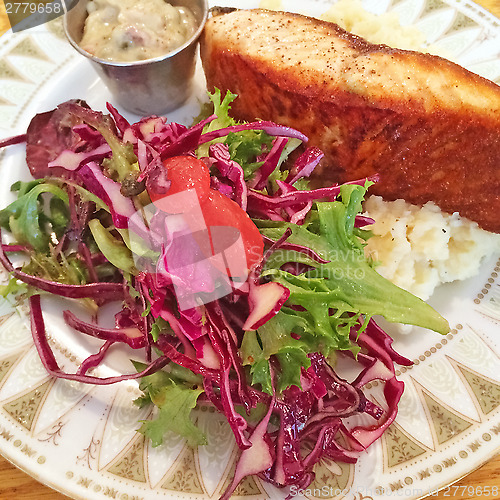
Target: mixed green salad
{"x": 237, "y": 285}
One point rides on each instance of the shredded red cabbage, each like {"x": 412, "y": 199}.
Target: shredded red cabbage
{"x": 308, "y": 422}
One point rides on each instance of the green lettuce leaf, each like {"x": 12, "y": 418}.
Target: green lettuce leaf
{"x": 15, "y": 288}
{"x": 174, "y": 415}
{"x": 245, "y": 146}
{"x": 347, "y": 282}
{"x": 123, "y": 161}
{"x": 30, "y": 219}
{"x": 112, "y": 248}
{"x": 274, "y": 339}
{"x": 174, "y": 391}
{"x": 329, "y": 298}
{"x": 221, "y": 108}
{"x": 57, "y": 267}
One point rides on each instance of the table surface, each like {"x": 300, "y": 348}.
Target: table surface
{"x": 15, "y": 484}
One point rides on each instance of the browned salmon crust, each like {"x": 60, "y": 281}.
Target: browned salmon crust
{"x": 428, "y": 127}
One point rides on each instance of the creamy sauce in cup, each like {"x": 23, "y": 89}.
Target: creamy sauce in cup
{"x": 134, "y": 30}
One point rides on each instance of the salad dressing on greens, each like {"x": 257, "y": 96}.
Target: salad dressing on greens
{"x": 258, "y": 342}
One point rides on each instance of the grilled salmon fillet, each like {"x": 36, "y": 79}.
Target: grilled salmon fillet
{"x": 428, "y": 127}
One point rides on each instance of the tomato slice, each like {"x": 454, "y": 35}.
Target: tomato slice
{"x": 221, "y": 212}
{"x": 242, "y": 247}
{"x": 185, "y": 173}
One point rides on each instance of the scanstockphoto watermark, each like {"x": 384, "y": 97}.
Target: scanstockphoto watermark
{"x": 25, "y": 14}
{"x": 171, "y": 239}
{"x": 360, "y": 493}
{"x": 333, "y": 264}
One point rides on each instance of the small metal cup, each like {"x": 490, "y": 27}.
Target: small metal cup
{"x": 152, "y": 86}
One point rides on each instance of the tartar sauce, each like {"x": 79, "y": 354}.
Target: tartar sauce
{"x": 133, "y": 30}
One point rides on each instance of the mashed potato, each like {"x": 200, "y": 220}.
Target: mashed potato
{"x": 421, "y": 247}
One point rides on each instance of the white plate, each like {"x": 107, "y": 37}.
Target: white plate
{"x": 81, "y": 440}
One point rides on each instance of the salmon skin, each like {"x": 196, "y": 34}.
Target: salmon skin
{"x": 428, "y": 127}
